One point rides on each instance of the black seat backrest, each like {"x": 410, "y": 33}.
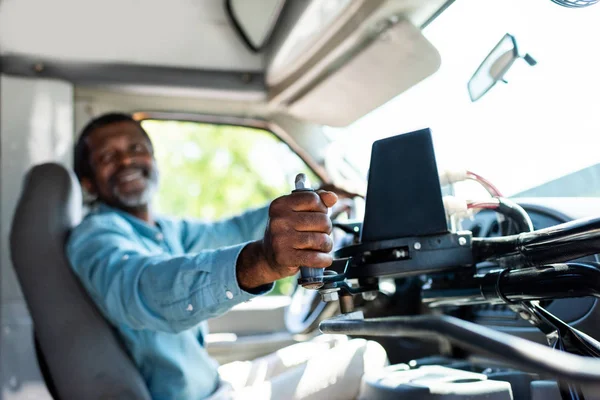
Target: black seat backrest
{"x": 84, "y": 357}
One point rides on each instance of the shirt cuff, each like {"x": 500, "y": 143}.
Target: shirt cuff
{"x": 227, "y": 288}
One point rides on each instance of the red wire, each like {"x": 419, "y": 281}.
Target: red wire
{"x": 490, "y": 204}
{"x": 487, "y": 206}
{"x": 489, "y": 186}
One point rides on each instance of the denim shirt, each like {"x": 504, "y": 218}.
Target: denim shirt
{"x": 158, "y": 284}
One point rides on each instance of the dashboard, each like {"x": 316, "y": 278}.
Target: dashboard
{"x": 582, "y": 313}
{"x": 418, "y": 366}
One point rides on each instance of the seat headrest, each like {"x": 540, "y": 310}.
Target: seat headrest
{"x": 85, "y": 358}
{"x": 50, "y": 203}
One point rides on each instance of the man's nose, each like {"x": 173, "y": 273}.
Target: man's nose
{"x": 124, "y": 159}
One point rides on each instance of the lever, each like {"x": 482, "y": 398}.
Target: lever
{"x": 310, "y": 278}
{"x": 514, "y": 351}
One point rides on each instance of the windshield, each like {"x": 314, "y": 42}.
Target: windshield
{"x": 536, "y": 135}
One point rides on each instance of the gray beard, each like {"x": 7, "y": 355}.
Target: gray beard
{"x": 140, "y": 199}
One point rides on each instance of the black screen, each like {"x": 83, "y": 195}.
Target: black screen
{"x": 403, "y": 193}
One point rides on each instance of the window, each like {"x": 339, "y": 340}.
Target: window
{"x": 533, "y": 137}
{"x": 211, "y": 171}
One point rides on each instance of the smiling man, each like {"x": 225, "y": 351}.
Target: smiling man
{"x": 131, "y": 186}
{"x": 158, "y": 280}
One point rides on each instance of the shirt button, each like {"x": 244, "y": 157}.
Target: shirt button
{"x": 190, "y": 307}
{"x": 125, "y": 257}
{"x": 159, "y": 236}
{"x": 229, "y": 295}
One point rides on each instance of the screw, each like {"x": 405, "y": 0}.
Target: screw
{"x": 399, "y": 253}
{"x": 417, "y": 246}
{"x": 246, "y": 78}
{"x": 369, "y": 296}
{"x": 525, "y": 315}
{"x": 365, "y": 255}
{"x": 552, "y": 338}
{"x": 462, "y": 241}
{"x": 329, "y": 296}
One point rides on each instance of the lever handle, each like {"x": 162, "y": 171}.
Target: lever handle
{"x": 310, "y": 278}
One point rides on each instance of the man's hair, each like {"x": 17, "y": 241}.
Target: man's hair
{"x": 81, "y": 156}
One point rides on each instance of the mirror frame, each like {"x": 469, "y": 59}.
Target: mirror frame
{"x": 485, "y": 60}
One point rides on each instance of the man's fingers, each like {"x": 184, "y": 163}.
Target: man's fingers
{"x": 300, "y": 222}
{"x": 298, "y": 232}
{"x": 294, "y": 258}
{"x": 312, "y": 222}
{"x": 301, "y": 201}
{"x": 328, "y": 198}
{"x": 311, "y": 259}
{"x": 341, "y": 193}
{"x": 318, "y": 201}
{"x": 313, "y": 241}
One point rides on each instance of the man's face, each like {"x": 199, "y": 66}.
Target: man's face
{"x": 123, "y": 168}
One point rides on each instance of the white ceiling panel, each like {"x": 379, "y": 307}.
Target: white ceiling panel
{"x": 177, "y": 33}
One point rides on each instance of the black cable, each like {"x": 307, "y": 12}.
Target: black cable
{"x": 516, "y": 213}
{"x": 559, "y": 243}
{"x": 520, "y": 353}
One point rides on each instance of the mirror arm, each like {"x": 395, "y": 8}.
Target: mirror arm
{"x": 530, "y": 60}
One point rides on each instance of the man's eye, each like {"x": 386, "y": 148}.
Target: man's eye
{"x": 138, "y": 148}
{"x": 106, "y": 158}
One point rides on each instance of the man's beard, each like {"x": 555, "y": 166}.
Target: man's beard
{"x": 142, "y": 198}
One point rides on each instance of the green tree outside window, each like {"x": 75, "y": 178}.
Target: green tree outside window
{"x": 213, "y": 171}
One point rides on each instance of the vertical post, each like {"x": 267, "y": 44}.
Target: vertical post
{"x": 346, "y": 302}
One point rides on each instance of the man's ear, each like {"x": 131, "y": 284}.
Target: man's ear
{"x": 88, "y": 186}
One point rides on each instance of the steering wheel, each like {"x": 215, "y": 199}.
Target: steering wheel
{"x": 306, "y": 309}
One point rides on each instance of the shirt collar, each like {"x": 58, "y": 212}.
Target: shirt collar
{"x": 141, "y": 226}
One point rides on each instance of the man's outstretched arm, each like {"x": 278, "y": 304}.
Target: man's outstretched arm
{"x": 248, "y": 226}
{"x": 198, "y": 235}
{"x": 165, "y": 293}
{"x": 156, "y": 292}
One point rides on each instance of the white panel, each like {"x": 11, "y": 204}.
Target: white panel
{"x": 182, "y": 33}
{"x": 328, "y": 28}
{"x": 308, "y": 35}
{"x": 91, "y": 102}
{"x": 397, "y": 60}
{"x": 36, "y": 125}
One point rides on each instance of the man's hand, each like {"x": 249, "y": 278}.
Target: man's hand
{"x": 341, "y": 193}
{"x": 297, "y": 235}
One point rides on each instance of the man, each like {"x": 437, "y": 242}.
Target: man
{"x": 158, "y": 280}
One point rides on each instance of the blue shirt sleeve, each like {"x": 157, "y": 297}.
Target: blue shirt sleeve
{"x": 153, "y": 291}
{"x": 199, "y": 235}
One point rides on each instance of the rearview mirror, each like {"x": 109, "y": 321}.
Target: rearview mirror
{"x": 497, "y": 63}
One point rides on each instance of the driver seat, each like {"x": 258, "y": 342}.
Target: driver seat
{"x": 79, "y": 353}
